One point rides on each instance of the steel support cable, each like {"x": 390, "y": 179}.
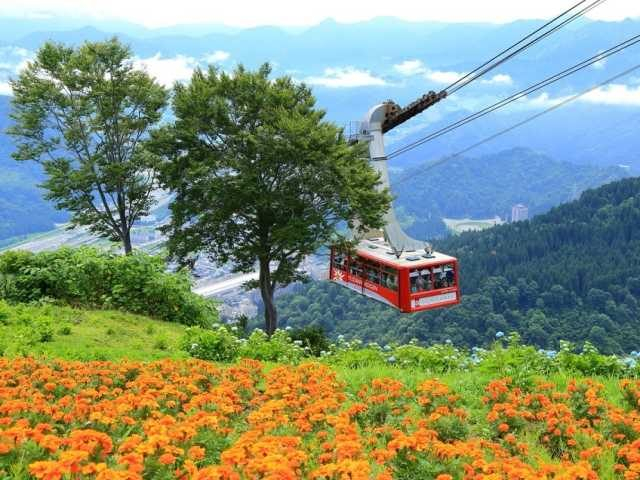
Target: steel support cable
{"x": 451, "y": 89}
{"x": 531, "y": 89}
{"x": 515, "y": 44}
{"x": 519, "y": 124}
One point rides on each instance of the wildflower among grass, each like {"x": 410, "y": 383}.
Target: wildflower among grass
{"x": 195, "y": 420}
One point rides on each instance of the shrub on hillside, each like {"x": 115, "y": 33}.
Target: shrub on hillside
{"x": 137, "y": 283}
{"x": 277, "y": 348}
{"x": 221, "y": 344}
{"x": 217, "y": 344}
{"x": 312, "y": 337}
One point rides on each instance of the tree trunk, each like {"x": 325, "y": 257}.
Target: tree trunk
{"x": 266, "y": 291}
{"x": 126, "y": 241}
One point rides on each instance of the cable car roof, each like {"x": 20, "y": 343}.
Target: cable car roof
{"x": 378, "y": 249}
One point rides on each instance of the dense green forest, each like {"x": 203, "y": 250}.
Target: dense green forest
{"x": 22, "y": 208}
{"x": 490, "y": 185}
{"x": 572, "y": 273}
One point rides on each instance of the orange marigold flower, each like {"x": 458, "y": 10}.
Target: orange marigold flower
{"x": 167, "y": 459}
{"x": 196, "y": 453}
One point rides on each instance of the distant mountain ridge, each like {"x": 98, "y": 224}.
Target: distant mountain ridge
{"x": 489, "y": 185}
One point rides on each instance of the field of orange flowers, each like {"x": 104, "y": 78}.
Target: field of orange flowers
{"x": 198, "y": 420}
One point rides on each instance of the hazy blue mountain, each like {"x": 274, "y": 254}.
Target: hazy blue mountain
{"x": 579, "y": 133}
{"x": 22, "y": 209}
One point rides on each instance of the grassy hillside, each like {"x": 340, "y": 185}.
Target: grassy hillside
{"x": 74, "y": 334}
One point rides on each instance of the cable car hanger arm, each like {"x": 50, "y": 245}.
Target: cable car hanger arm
{"x": 396, "y": 115}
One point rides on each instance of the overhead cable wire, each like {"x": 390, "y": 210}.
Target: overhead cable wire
{"x": 515, "y": 44}
{"x": 516, "y": 96}
{"x": 561, "y": 104}
{"x": 497, "y": 61}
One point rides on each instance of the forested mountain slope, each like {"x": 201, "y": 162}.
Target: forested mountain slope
{"x": 590, "y": 243}
{"x": 489, "y": 185}
{"x": 572, "y": 273}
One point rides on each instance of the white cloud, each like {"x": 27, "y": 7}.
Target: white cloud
{"x": 438, "y": 76}
{"x": 499, "y": 79}
{"x": 5, "y": 88}
{"x": 14, "y": 51}
{"x": 167, "y": 71}
{"x": 544, "y": 100}
{"x": 344, "y": 77}
{"x": 409, "y": 68}
{"x": 615, "y": 94}
{"x": 217, "y": 56}
{"x": 14, "y": 59}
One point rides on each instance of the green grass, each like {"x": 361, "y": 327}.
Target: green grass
{"x": 86, "y": 334}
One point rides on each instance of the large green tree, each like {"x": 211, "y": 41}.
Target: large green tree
{"x": 84, "y": 113}
{"x": 260, "y": 178}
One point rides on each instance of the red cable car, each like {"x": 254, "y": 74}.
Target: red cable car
{"x": 410, "y": 281}
{"x": 395, "y": 271}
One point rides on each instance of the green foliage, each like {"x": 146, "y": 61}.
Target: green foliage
{"x": 221, "y": 344}
{"x": 217, "y": 344}
{"x": 450, "y": 428}
{"x": 518, "y": 362}
{"x": 436, "y": 358}
{"x": 260, "y": 178}
{"x": 407, "y": 466}
{"x": 571, "y": 274}
{"x": 136, "y": 283}
{"x": 311, "y": 338}
{"x": 83, "y": 113}
{"x": 277, "y": 348}
{"x": 63, "y": 332}
{"x": 589, "y": 361}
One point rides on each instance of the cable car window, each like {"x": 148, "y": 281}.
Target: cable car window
{"x": 420, "y": 280}
{"x": 373, "y": 274}
{"x": 444, "y": 276}
{"x": 449, "y": 275}
{"x": 356, "y": 268}
{"x": 339, "y": 262}
{"x": 427, "y": 275}
{"x": 389, "y": 278}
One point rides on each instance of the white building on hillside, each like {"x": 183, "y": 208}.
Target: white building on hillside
{"x": 519, "y": 212}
